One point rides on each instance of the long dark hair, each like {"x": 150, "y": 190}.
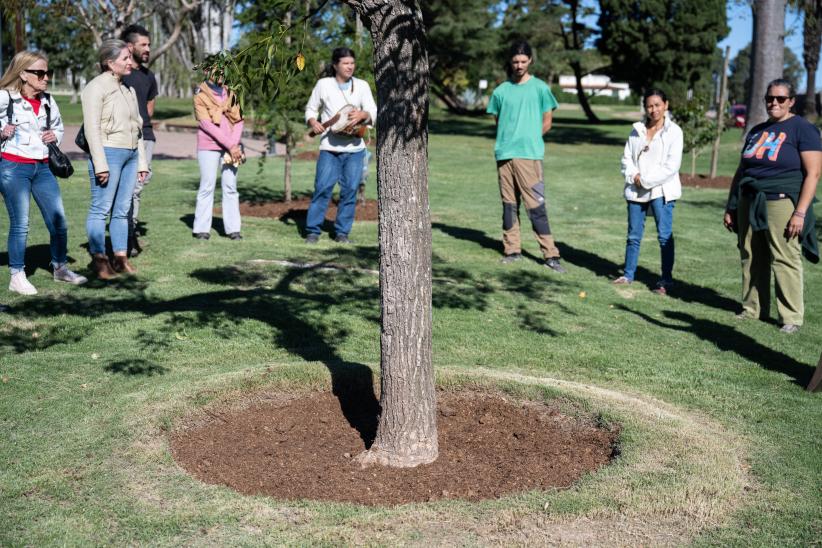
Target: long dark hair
{"x": 520, "y": 47}
{"x": 653, "y": 92}
{"x": 336, "y": 55}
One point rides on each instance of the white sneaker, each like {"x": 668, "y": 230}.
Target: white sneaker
{"x": 63, "y": 274}
{"x": 20, "y": 284}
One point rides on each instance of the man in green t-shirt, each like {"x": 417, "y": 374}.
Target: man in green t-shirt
{"x": 523, "y": 109}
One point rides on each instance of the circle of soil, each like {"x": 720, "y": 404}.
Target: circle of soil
{"x": 704, "y": 181}
{"x": 298, "y": 209}
{"x": 302, "y": 447}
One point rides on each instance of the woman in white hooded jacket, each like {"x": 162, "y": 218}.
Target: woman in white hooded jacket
{"x": 650, "y": 166}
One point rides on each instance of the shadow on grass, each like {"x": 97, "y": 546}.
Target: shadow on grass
{"x": 216, "y": 223}
{"x": 37, "y": 257}
{"x": 136, "y": 366}
{"x": 682, "y": 291}
{"x": 478, "y": 237}
{"x": 728, "y": 339}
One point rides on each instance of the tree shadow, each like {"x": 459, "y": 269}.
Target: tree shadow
{"x": 216, "y": 223}
{"x": 478, "y": 237}
{"x": 19, "y": 339}
{"x": 682, "y": 290}
{"x": 728, "y": 339}
{"x": 135, "y": 367}
{"x": 37, "y": 257}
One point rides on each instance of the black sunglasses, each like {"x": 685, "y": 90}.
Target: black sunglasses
{"x": 778, "y": 98}
{"x": 40, "y": 73}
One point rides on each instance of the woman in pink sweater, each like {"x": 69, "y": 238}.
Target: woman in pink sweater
{"x": 218, "y": 150}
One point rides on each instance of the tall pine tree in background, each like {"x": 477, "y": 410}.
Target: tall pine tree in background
{"x": 463, "y": 47}
{"x": 669, "y": 44}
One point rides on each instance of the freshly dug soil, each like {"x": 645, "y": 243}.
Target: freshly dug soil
{"x": 489, "y": 446}
{"x": 298, "y": 209}
{"x": 703, "y": 181}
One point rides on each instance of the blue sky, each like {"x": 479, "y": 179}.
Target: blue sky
{"x": 741, "y": 23}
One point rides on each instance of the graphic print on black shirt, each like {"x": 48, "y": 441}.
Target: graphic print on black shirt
{"x": 772, "y": 149}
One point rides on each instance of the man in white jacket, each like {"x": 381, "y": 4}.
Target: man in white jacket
{"x": 342, "y": 150}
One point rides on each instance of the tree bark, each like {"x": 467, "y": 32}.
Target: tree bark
{"x": 583, "y": 99}
{"x": 407, "y": 428}
{"x": 289, "y": 153}
{"x": 720, "y": 111}
{"x": 767, "y": 55}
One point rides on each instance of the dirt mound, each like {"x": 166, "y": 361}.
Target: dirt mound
{"x": 703, "y": 181}
{"x": 298, "y": 209}
{"x": 490, "y": 446}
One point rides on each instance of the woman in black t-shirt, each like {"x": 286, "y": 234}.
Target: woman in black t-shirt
{"x": 770, "y": 206}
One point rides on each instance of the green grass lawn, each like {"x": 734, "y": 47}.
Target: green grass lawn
{"x": 94, "y": 377}
{"x": 167, "y": 108}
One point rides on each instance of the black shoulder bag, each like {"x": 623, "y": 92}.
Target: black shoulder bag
{"x": 59, "y": 164}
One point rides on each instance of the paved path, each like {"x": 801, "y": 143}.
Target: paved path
{"x": 171, "y": 145}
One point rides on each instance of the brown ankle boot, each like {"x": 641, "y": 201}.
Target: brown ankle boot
{"x": 102, "y": 267}
{"x": 122, "y": 265}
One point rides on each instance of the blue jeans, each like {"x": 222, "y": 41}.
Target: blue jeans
{"x": 18, "y": 184}
{"x": 114, "y": 198}
{"x": 664, "y": 215}
{"x": 345, "y": 167}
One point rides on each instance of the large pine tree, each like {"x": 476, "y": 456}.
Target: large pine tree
{"x": 666, "y": 43}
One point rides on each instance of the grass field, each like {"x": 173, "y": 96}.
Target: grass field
{"x": 721, "y": 443}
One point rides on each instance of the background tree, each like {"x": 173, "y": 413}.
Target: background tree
{"x": 739, "y": 79}
{"x": 667, "y": 44}
{"x": 811, "y": 44}
{"x": 767, "y": 55}
{"x": 70, "y": 47}
{"x": 697, "y": 129}
{"x": 463, "y": 47}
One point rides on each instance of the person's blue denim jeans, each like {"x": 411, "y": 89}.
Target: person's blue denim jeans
{"x": 664, "y": 215}
{"x": 18, "y": 184}
{"x": 114, "y": 198}
{"x": 345, "y": 167}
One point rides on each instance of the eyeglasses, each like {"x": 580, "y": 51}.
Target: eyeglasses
{"x": 778, "y": 98}
{"x": 40, "y": 73}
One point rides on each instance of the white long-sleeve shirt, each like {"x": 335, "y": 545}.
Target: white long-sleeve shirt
{"x": 327, "y": 99}
{"x": 658, "y": 167}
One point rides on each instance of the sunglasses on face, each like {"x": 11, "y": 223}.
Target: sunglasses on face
{"x": 40, "y": 73}
{"x": 778, "y": 98}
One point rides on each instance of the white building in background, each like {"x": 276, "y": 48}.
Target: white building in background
{"x": 596, "y": 84}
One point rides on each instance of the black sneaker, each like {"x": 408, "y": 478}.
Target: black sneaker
{"x": 235, "y": 236}
{"x": 312, "y": 238}
{"x": 342, "y": 239}
{"x": 512, "y": 258}
{"x": 202, "y": 235}
{"x": 554, "y": 264}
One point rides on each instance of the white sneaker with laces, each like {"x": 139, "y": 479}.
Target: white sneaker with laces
{"x": 20, "y": 284}
{"x": 63, "y": 274}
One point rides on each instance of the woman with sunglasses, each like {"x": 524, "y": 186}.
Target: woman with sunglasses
{"x": 24, "y": 169}
{"x": 650, "y": 166}
{"x": 113, "y": 129}
{"x": 770, "y": 207}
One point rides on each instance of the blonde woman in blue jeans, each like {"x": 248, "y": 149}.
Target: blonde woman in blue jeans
{"x": 24, "y": 169}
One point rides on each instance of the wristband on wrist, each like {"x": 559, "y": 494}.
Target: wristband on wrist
{"x": 799, "y": 214}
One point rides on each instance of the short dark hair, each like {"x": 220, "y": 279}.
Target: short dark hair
{"x": 654, "y": 92}
{"x": 784, "y": 83}
{"x": 131, "y": 32}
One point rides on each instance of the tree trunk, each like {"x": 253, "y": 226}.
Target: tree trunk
{"x": 583, "y": 99}
{"x": 812, "y": 40}
{"x": 767, "y": 55}
{"x": 720, "y": 111}
{"x": 407, "y": 429}
{"x": 289, "y": 149}
{"x": 693, "y": 163}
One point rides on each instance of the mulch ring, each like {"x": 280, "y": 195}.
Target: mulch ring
{"x": 298, "y": 208}
{"x": 301, "y": 447}
{"x": 703, "y": 181}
